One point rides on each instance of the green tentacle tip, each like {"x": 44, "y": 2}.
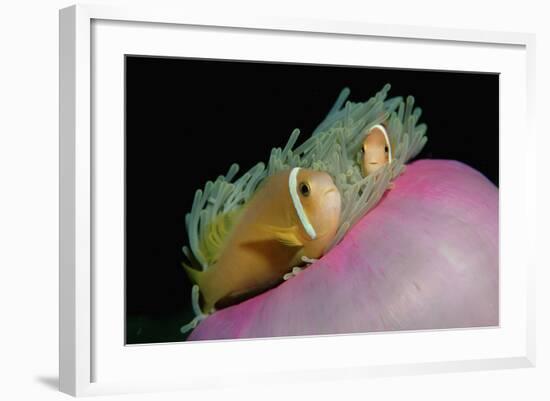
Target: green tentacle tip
{"x": 190, "y": 326}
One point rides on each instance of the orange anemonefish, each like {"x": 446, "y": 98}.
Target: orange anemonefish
{"x": 295, "y": 213}
{"x": 376, "y": 149}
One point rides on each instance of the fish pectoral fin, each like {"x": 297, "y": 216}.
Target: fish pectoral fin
{"x": 237, "y": 297}
{"x": 288, "y": 236}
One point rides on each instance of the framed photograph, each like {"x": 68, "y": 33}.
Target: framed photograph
{"x": 248, "y": 198}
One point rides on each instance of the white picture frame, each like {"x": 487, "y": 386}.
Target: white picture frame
{"x": 83, "y": 332}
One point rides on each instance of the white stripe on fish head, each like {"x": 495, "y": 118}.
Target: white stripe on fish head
{"x": 386, "y": 137}
{"x": 292, "y": 187}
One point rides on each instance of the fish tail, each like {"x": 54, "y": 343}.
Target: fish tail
{"x": 208, "y": 285}
{"x": 194, "y": 274}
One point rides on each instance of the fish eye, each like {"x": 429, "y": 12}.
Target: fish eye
{"x": 305, "y": 189}
{"x": 362, "y": 149}
{"x": 386, "y": 149}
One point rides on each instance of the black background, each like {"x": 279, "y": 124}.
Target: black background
{"x": 187, "y": 120}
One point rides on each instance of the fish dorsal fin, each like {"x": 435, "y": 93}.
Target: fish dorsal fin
{"x": 289, "y": 236}
{"x": 217, "y": 232}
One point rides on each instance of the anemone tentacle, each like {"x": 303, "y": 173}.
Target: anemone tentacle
{"x": 334, "y": 147}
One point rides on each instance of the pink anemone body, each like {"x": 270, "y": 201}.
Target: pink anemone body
{"x": 426, "y": 257}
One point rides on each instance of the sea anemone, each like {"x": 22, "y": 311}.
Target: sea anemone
{"x": 333, "y": 147}
{"x": 426, "y": 257}
{"x": 383, "y": 273}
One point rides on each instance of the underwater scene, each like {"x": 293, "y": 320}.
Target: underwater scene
{"x": 280, "y": 199}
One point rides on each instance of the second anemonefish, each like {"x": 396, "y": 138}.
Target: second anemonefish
{"x": 376, "y": 149}
{"x": 294, "y": 214}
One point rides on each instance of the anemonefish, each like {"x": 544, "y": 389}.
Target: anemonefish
{"x": 295, "y": 213}
{"x": 376, "y": 149}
